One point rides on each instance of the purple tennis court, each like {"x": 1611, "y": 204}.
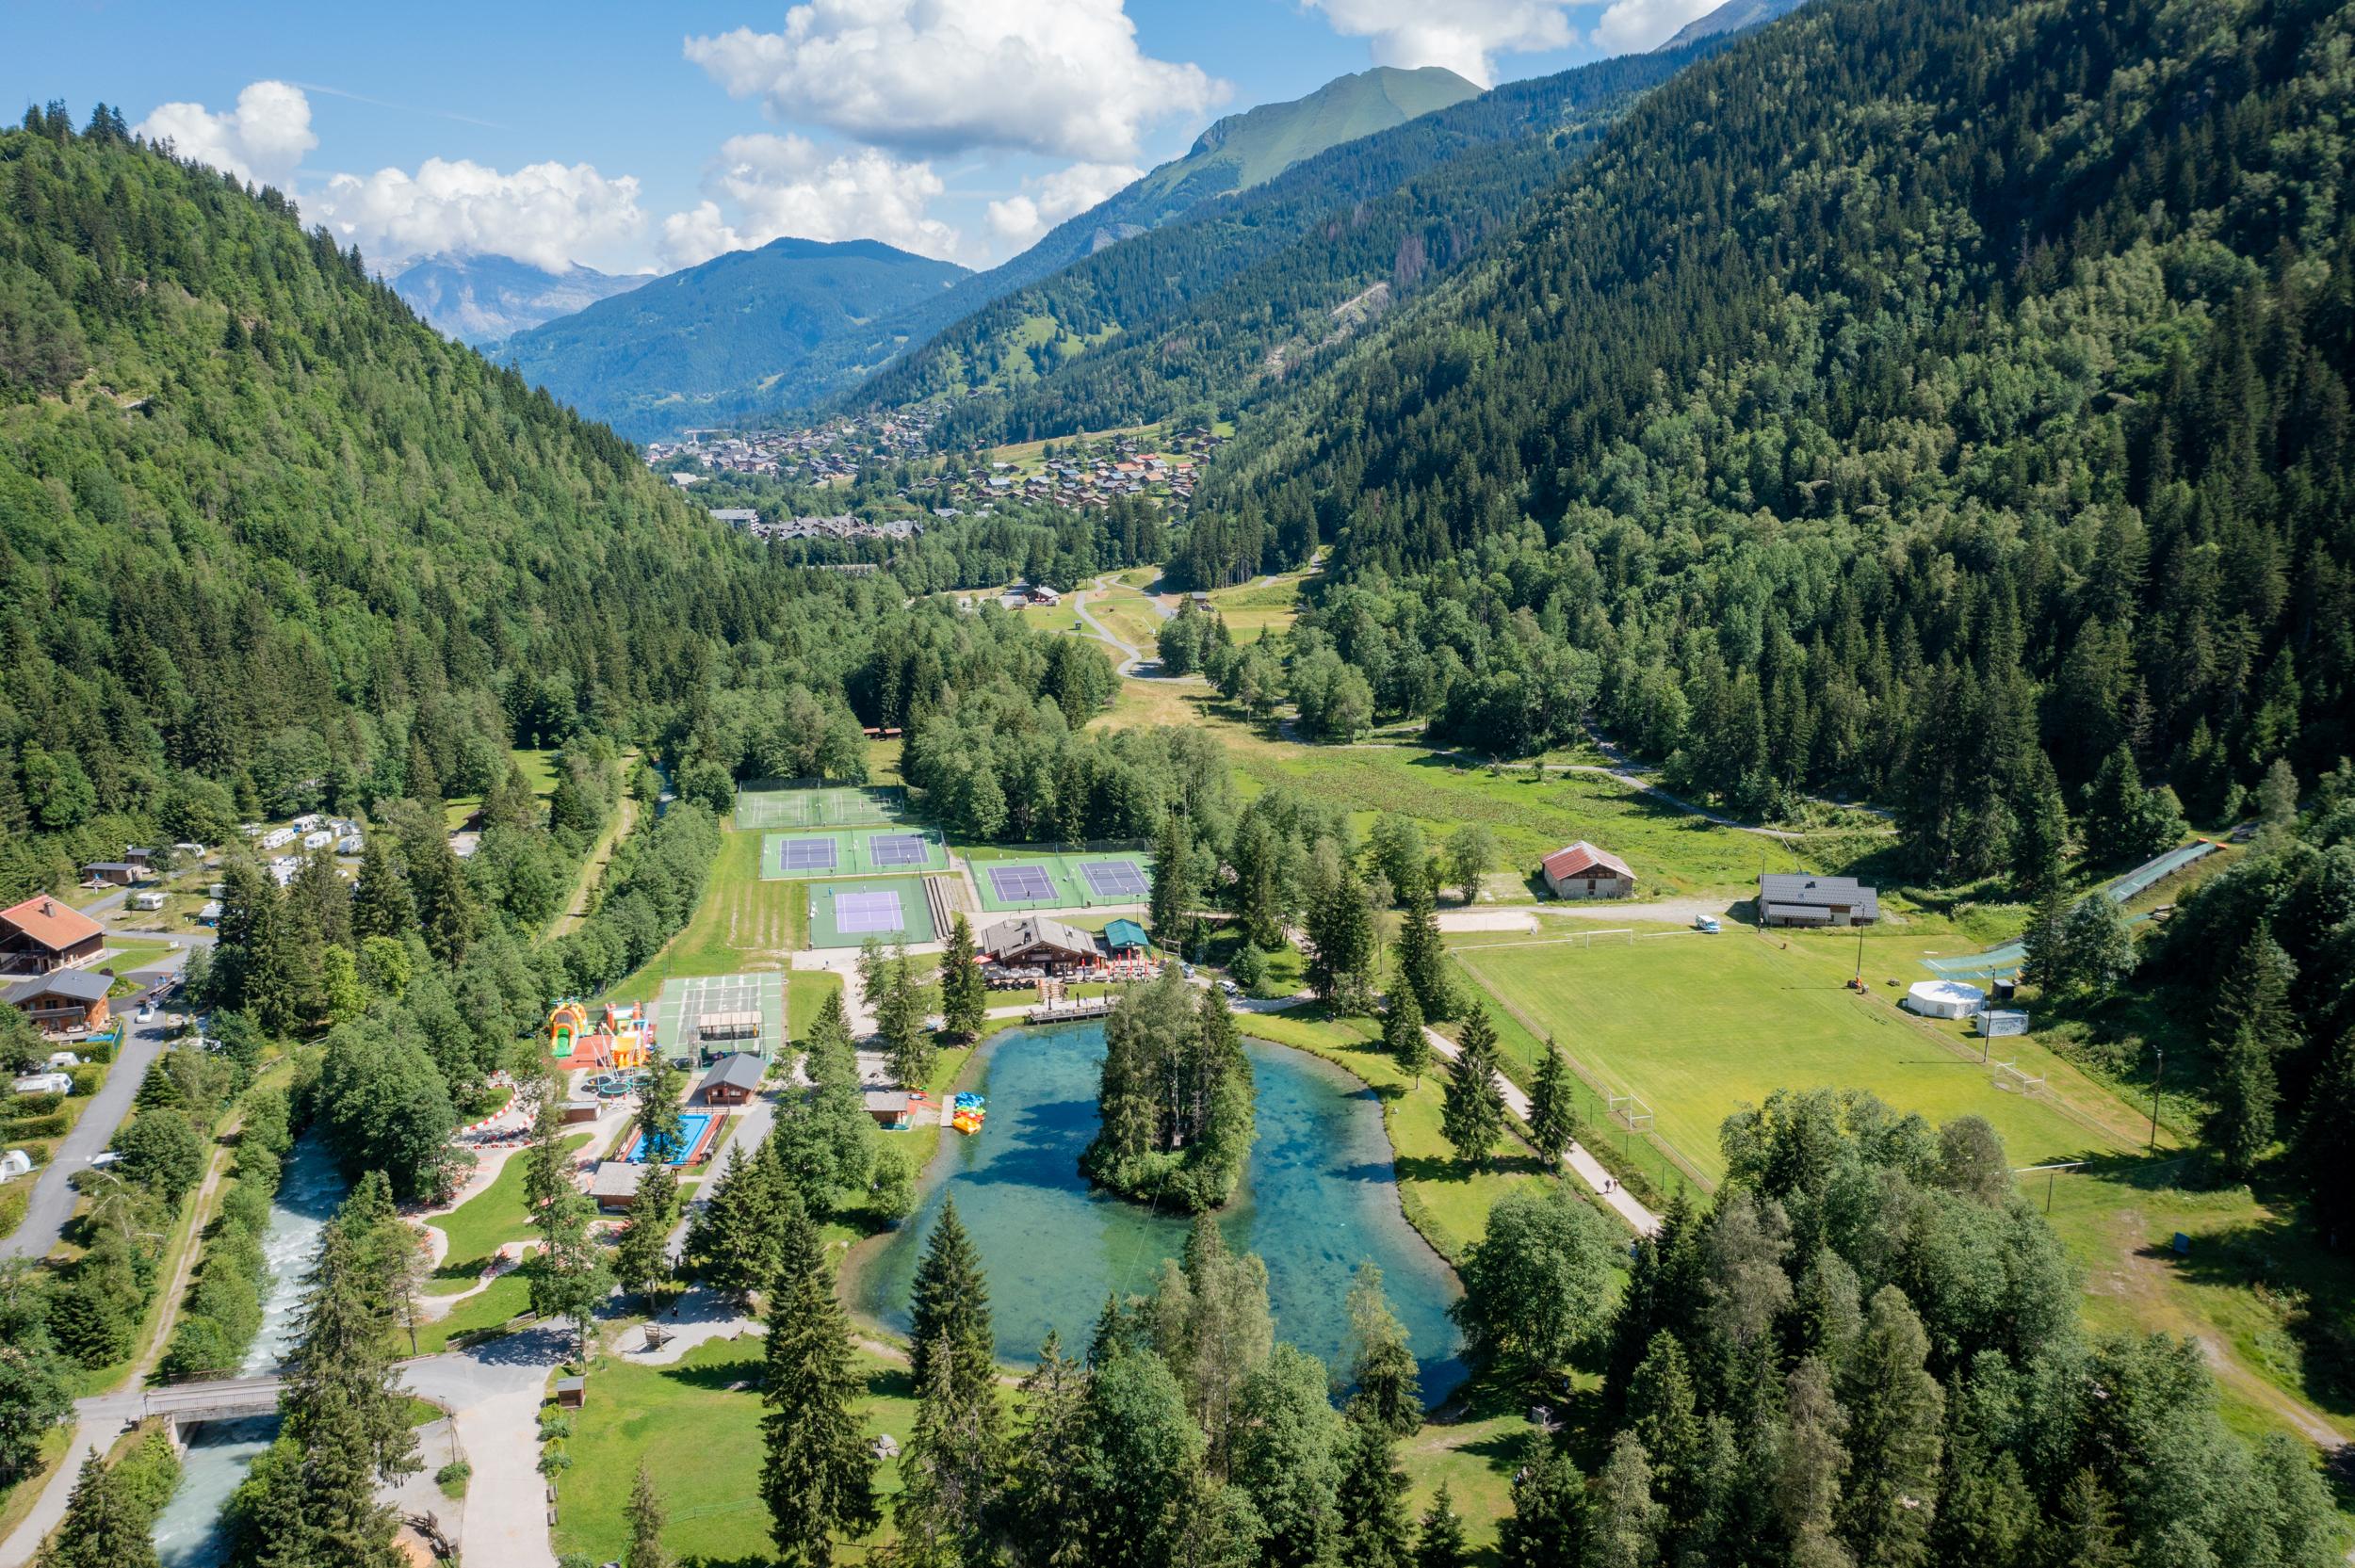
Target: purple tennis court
{"x": 808, "y": 854}
{"x": 885, "y": 849}
{"x": 1021, "y": 883}
{"x": 1114, "y": 879}
{"x": 861, "y": 912}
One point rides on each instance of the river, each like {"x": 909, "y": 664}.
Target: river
{"x": 1318, "y": 1197}
{"x": 187, "y": 1534}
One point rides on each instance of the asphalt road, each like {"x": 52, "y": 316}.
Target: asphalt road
{"x": 53, "y": 1199}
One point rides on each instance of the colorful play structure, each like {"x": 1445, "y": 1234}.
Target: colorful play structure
{"x": 622, "y": 1041}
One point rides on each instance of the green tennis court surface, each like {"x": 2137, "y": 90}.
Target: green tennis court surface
{"x": 700, "y": 1013}
{"x": 889, "y": 850}
{"x": 1013, "y": 881}
{"x": 889, "y": 908}
{"x": 764, "y": 804}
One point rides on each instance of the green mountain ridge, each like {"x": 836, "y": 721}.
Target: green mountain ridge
{"x": 1251, "y": 148}
{"x": 710, "y": 344}
{"x": 1247, "y": 289}
{"x": 1255, "y": 148}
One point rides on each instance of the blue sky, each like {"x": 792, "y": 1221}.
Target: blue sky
{"x": 630, "y": 138}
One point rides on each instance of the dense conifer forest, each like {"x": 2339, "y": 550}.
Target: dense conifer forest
{"x": 1903, "y": 397}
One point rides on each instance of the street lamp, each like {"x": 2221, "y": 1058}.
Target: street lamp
{"x": 2158, "y": 1075}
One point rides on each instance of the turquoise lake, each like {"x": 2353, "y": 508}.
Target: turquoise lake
{"x": 1319, "y": 1199}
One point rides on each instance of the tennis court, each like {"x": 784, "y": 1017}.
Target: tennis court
{"x": 1079, "y": 880}
{"x": 891, "y": 909}
{"x": 850, "y": 852}
{"x": 701, "y": 1016}
{"x": 764, "y": 804}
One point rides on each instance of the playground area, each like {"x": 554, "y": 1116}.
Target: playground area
{"x": 888, "y": 851}
{"x": 889, "y": 908}
{"x": 709, "y": 1015}
{"x": 1009, "y": 881}
{"x": 764, "y": 804}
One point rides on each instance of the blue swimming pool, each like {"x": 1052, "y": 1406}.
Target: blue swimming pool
{"x": 693, "y": 1126}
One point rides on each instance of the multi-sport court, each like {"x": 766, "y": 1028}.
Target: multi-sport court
{"x": 889, "y": 908}
{"x": 720, "y": 1013}
{"x": 1084, "y": 880}
{"x": 889, "y": 849}
{"x": 763, "y": 804}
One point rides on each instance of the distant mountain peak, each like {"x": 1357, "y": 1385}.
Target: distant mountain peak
{"x": 477, "y": 298}
{"x": 1732, "y": 17}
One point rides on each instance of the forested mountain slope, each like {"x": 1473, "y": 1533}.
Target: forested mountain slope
{"x": 267, "y": 541}
{"x": 1237, "y": 153}
{"x": 1239, "y": 291}
{"x": 710, "y": 344}
{"x": 1908, "y": 393}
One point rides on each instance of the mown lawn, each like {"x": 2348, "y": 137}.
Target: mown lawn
{"x": 743, "y": 923}
{"x": 1701, "y": 1026}
{"x": 697, "y": 1424}
{"x": 1673, "y": 853}
{"x": 484, "y": 1223}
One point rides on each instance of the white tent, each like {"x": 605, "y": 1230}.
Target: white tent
{"x": 1945, "y": 1000}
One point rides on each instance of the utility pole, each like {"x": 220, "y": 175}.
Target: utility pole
{"x": 2155, "y": 1079}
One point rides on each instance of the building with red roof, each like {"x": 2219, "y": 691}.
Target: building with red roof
{"x": 1582, "y": 871}
{"x": 41, "y": 934}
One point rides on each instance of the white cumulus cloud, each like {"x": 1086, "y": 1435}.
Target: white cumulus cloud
{"x": 544, "y": 213}
{"x": 1628, "y": 26}
{"x": 789, "y": 186}
{"x": 1063, "y": 77}
{"x": 261, "y": 140}
{"x": 1049, "y": 198}
{"x": 1461, "y": 35}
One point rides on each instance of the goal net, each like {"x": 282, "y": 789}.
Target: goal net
{"x": 2006, "y": 1075}
{"x": 1629, "y": 1111}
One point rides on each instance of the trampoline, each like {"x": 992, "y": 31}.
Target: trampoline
{"x": 1114, "y": 879}
{"x": 897, "y": 849}
{"x": 860, "y": 913}
{"x": 1021, "y": 883}
{"x": 806, "y": 854}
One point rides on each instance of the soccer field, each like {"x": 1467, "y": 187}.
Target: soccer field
{"x": 762, "y": 804}
{"x": 889, "y": 850}
{"x": 1701, "y": 1026}
{"x": 891, "y": 909}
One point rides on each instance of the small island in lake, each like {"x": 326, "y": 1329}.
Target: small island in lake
{"x": 1175, "y": 1100}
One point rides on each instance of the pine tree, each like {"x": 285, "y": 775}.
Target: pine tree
{"x": 2326, "y": 1147}
{"x": 899, "y": 1018}
{"x": 1441, "y": 1542}
{"x": 569, "y": 1275}
{"x": 731, "y": 1245}
{"x": 1375, "y": 1531}
{"x": 2040, "y": 833}
{"x": 646, "y": 1518}
{"x": 949, "y": 1306}
{"x": 1895, "y": 1409}
{"x": 1548, "y": 1526}
{"x": 1401, "y": 1031}
{"x": 1552, "y": 1124}
{"x": 2084, "y": 1530}
{"x": 818, "y": 1476}
{"x": 2044, "y": 960}
{"x": 1422, "y": 959}
{"x": 1623, "y": 1523}
{"x": 102, "y": 1528}
{"x": 1043, "y": 1472}
{"x": 2099, "y": 945}
{"x": 1173, "y": 897}
{"x": 964, "y": 995}
{"x": 1472, "y": 1114}
{"x": 642, "y": 1262}
{"x": 2245, "y": 1092}
{"x": 2256, "y": 993}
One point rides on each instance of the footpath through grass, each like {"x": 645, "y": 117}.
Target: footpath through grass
{"x": 485, "y": 1222}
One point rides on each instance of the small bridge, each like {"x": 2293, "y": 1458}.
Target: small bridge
{"x": 190, "y": 1404}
